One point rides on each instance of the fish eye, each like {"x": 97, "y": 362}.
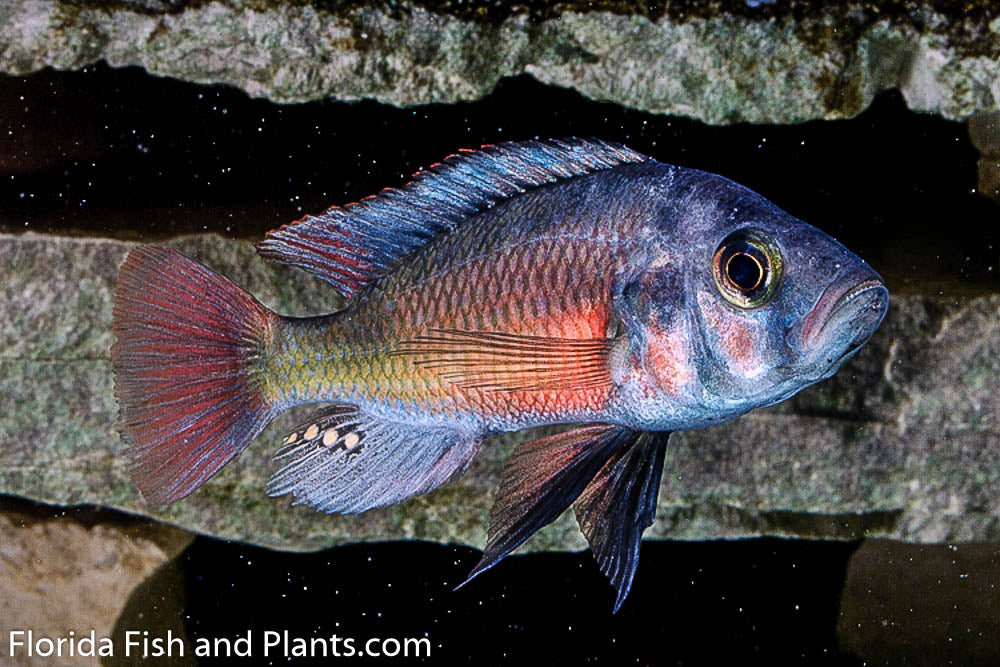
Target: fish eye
{"x": 748, "y": 268}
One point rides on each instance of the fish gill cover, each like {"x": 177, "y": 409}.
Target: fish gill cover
{"x": 519, "y": 285}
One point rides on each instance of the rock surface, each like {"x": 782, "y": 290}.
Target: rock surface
{"x": 921, "y": 604}
{"x": 63, "y": 573}
{"x": 903, "y": 443}
{"x": 720, "y": 62}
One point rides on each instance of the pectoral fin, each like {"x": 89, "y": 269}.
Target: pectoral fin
{"x": 619, "y": 504}
{"x": 497, "y": 361}
{"x": 347, "y": 461}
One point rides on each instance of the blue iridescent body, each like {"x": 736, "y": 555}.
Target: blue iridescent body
{"x": 515, "y": 286}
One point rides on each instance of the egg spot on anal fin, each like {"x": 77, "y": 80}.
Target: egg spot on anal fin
{"x": 353, "y": 460}
{"x": 351, "y": 440}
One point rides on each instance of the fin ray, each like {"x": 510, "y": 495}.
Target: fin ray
{"x": 541, "y": 479}
{"x": 186, "y": 341}
{"x": 347, "y": 461}
{"x": 352, "y": 245}
{"x": 618, "y": 505}
{"x": 497, "y": 361}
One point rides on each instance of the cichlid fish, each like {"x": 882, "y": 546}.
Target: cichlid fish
{"x": 522, "y": 284}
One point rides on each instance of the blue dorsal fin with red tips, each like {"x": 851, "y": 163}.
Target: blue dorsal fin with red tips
{"x": 352, "y": 245}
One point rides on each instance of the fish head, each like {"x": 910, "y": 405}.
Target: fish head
{"x": 747, "y": 305}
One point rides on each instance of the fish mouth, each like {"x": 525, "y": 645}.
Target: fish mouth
{"x": 843, "y": 318}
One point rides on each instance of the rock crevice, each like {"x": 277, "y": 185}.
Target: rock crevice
{"x": 785, "y": 63}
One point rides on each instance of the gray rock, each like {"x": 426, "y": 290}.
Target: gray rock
{"x": 923, "y": 605}
{"x": 903, "y": 443}
{"x": 754, "y": 62}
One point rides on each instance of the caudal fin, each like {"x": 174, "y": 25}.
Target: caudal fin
{"x": 185, "y": 362}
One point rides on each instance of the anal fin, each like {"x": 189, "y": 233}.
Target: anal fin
{"x": 347, "y": 461}
{"x": 619, "y": 504}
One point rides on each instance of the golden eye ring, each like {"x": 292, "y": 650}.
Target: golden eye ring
{"x": 748, "y": 268}
{"x": 742, "y": 276}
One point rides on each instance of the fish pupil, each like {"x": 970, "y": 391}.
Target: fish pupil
{"x": 747, "y": 267}
{"x": 744, "y": 271}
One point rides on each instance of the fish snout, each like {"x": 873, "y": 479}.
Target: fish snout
{"x": 846, "y": 315}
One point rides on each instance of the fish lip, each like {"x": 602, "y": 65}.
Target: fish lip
{"x": 857, "y": 299}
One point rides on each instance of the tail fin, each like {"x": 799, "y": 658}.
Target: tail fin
{"x": 187, "y": 340}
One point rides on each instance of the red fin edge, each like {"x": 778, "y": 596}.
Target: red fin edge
{"x": 186, "y": 341}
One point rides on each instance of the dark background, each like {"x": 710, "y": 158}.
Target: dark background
{"x": 691, "y": 603}
{"x": 124, "y": 154}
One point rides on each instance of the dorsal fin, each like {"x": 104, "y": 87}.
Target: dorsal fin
{"x": 352, "y": 245}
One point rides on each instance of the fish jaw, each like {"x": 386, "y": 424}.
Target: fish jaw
{"x": 843, "y": 318}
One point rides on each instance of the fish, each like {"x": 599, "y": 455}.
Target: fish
{"x": 570, "y": 282}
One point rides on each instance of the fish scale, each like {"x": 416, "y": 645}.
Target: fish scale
{"x": 480, "y": 297}
{"x": 523, "y": 284}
